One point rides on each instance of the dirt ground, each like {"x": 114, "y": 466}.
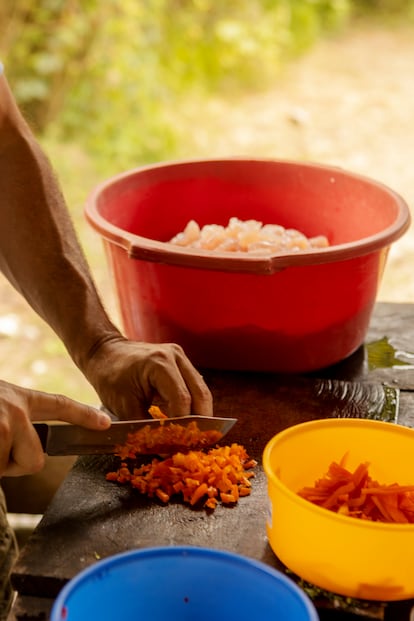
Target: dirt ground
{"x": 349, "y": 102}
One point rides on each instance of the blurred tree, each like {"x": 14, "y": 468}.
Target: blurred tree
{"x": 111, "y": 72}
{"x": 45, "y": 45}
{"x": 401, "y": 7}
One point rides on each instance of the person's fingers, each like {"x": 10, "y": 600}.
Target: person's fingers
{"x": 172, "y": 393}
{"x": 201, "y": 397}
{"x": 180, "y": 386}
{"x": 5, "y": 444}
{"x": 23, "y": 453}
{"x": 45, "y": 406}
{"x": 130, "y": 376}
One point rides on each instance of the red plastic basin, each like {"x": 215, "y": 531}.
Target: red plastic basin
{"x": 286, "y": 313}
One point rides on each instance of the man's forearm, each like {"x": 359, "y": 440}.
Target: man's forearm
{"x": 41, "y": 257}
{"x": 39, "y": 251}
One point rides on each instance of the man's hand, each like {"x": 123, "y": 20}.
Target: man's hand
{"x": 127, "y": 375}
{"x": 20, "y": 449}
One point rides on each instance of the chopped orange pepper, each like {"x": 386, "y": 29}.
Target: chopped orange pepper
{"x": 156, "y": 412}
{"x": 166, "y": 438}
{"x": 219, "y": 474}
{"x": 356, "y": 494}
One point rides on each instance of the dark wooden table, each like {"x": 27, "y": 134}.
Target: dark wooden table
{"x": 90, "y": 518}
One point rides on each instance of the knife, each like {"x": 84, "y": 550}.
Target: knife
{"x": 65, "y": 439}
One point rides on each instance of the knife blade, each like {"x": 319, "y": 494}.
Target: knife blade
{"x": 58, "y": 439}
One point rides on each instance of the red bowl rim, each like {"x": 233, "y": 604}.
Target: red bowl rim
{"x": 138, "y": 247}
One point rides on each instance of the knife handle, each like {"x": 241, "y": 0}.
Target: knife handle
{"x": 42, "y": 430}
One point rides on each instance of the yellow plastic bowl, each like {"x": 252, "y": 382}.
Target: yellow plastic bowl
{"x": 345, "y": 555}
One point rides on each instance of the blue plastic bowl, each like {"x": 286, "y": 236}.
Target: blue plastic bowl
{"x": 183, "y": 583}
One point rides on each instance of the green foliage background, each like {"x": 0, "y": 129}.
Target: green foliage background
{"x": 113, "y": 75}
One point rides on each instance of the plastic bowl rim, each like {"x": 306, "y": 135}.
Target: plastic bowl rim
{"x": 309, "y": 506}
{"x": 183, "y": 550}
{"x": 153, "y": 250}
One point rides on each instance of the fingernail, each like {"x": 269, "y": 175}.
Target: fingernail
{"x": 103, "y": 420}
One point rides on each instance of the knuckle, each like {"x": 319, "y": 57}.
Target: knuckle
{"x": 165, "y": 354}
{"x": 61, "y": 401}
{"x": 36, "y": 464}
{"x": 185, "y": 399}
{"x": 177, "y": 349}
{"x": 5, "y": 431}
{"x": 205, "y": 394}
